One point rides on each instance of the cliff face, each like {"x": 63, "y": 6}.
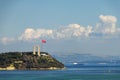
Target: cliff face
{"x": 28, "y": 61}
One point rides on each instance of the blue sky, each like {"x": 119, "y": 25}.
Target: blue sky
{"x": 79, "y": 26}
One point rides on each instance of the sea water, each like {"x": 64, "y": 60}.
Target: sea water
{"x": 79, "y": 73}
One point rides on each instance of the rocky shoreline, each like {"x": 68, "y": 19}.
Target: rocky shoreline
{"x": 51, "y": 68}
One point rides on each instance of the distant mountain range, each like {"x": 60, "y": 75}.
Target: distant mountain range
{"x": 86, "y": 58}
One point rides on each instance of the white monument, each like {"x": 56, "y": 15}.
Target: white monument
{"x": 38, "y": 50}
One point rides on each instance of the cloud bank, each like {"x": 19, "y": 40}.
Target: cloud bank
{"x": 106, "y": 28}
{"x": 6, "y": 40}
{"x": 72, "y": 30}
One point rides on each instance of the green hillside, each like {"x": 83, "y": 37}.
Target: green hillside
{"x": 28, "y": 61}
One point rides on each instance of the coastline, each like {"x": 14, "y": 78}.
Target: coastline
{"x": 13, "y": 68}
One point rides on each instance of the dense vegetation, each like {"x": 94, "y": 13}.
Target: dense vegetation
{"x": 26, "y": 60}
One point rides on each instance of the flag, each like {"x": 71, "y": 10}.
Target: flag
{"x": 43, "y": 41}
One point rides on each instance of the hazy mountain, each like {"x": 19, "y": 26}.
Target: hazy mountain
{"x": 86, "y": 58}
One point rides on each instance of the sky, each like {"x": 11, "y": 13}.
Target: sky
{"x": 68, "y": 26}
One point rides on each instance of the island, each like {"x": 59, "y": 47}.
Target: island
{"x": 28, "y": 61}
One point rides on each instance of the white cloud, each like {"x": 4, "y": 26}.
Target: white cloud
{"x": 106, "y": 28}
{"x": 72, "y": 30}
{"x": 108, "y": 24}
{"x": 108, "y": 19}
{"x": 31, "y": 33}
{"x": 6, "y": 40}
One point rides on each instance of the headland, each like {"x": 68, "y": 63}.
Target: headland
{"x": 28, "y": 61}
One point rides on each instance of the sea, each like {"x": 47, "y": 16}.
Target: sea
{"x": 73, "y": 71}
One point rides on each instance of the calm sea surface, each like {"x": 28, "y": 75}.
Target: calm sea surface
{"x": 81, "y": 73}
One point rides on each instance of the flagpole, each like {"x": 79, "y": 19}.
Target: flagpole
{"x": 42, "y": 47}
{"x": 43, "y": 42}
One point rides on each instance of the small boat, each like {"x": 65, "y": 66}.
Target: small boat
{"x": 75, "y": 63}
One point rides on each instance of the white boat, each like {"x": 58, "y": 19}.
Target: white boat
{"x": 75, "y": 63}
